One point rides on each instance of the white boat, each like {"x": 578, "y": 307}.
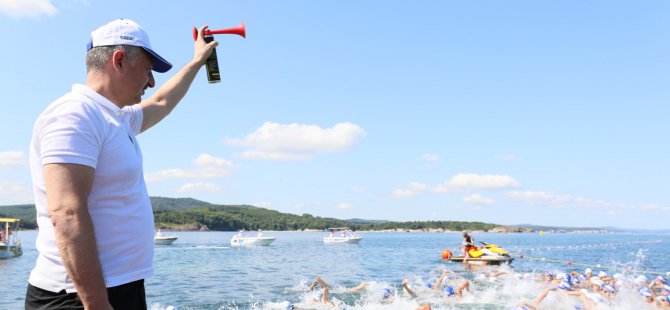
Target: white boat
{"x": 342, "y": 235}
{"x": 160, "y": 239}
{"x": 10, "y": 245}
{"x": 240, "y": 239}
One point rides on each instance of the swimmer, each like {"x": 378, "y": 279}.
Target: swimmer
{"x": 451, "y": 292}
{"x": 535, "y": 304}
{"x": 658, "y": 283}
{"x": 387, "y": 295}
{"x": 325, "y": 296}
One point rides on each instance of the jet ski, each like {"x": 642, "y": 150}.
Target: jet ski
{"x": 487, "y": 254}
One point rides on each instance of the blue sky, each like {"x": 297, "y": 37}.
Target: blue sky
{"x": 509, "y": 112}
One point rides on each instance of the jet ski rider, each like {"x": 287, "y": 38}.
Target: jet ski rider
{"x": 468, "y": 244}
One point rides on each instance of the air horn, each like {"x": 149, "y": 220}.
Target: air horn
{"x": 212, "y": 64}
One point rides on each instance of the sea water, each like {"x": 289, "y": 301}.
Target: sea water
{"x": 201, "y": 271}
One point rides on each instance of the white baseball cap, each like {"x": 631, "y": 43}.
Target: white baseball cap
{"x": 127, "y": 32}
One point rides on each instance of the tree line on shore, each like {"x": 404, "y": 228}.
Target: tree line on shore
{"x": 191, "y": 214}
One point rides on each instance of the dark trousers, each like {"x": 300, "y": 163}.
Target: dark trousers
{"x": 127, "y": 296}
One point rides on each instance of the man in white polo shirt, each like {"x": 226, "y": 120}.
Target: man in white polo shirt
{"x": 95, "y": 239}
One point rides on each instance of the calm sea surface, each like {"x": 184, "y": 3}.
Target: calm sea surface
{"x": 201, "y": 271}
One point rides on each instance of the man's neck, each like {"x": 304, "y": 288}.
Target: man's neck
{"x": 101, "y": 84}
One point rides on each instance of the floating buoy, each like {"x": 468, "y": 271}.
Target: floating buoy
{"x": 570, "y": 263}
{"x": 446, "y": 254}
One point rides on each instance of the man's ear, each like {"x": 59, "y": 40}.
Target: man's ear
{"x": 119, "y": 60}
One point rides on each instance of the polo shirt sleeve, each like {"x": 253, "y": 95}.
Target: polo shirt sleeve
{"x": 136, "y": 117}
{"x": 71, "y": 134}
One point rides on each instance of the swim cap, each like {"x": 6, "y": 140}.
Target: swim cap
{"x": 566, "y": 277}
{"x": 666, "y": 288}
{"x": 387, "y": 292}
{"x": 644, "y": 292}
{"x": 449, "y": 290}
{"x": 640, "y": 279}
{"x": 565, "y": 285}
{"x": 587, "y": 270}
{"x": 550, "y": 274}
{"x": 287, "y": 305}
{"x": 609, "y": 288}
{"x": 602, "y": 274}
{"x": 661, "y": 279}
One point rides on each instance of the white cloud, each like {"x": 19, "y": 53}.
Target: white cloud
{"x": 357, "y": 189}
{"x": 206, "y": 166}
{"x": 12, "y": 158}
{"x": 540, "y": 198}
{"x": 199, "y": 187}
{"x": 548, "y": 199}
{"x": 273, "y": 141}
{"x": 27, "y": 8}
{"x": 430, "y": 157}
{"x": 460, "y": 182}
{"x": 15, "y": 192}
{"x": 411, "y": 190}
{"x": 478, "y": 199}
{"x": 344, "y": 206}
{"x": 471, "y": 181}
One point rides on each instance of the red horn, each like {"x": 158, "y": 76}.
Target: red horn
{"x": 239, "y": 30}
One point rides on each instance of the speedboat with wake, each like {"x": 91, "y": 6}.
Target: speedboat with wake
{"x": 487, "y": 254}
{"x": 342, "y": 235}
{"x": 240, "y": 240}
{"x": 161, "y": 239}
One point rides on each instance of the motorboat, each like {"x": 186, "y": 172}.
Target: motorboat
{"x": 239, "y": 239}
{"x": 487, "y": 254}
{"x": 161, "y": 239}
{"x": 10, "y": 245}
{"x": 342, "y": 235}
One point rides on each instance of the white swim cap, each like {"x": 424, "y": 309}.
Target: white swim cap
{"x": 641, "y": 279}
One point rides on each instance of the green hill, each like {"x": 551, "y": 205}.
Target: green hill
{"x": 192, "y": 214}
{"x": 24, "y": 212}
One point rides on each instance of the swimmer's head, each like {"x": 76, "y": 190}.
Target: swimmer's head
{"x": 609, "y": 288}
{"x": 565, "y": 277}
{"x": 449, "y": 290}
{"x": 640, "y": 279}
{"x": 565, "y": 286}
{"x": 661, "y": 279}
{"x": 287, "y": 305}
{"x": 387, "y": 293}
{"x": 645, "y": 292}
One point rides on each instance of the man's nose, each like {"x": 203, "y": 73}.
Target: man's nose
{"x": 151, "y": 82}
